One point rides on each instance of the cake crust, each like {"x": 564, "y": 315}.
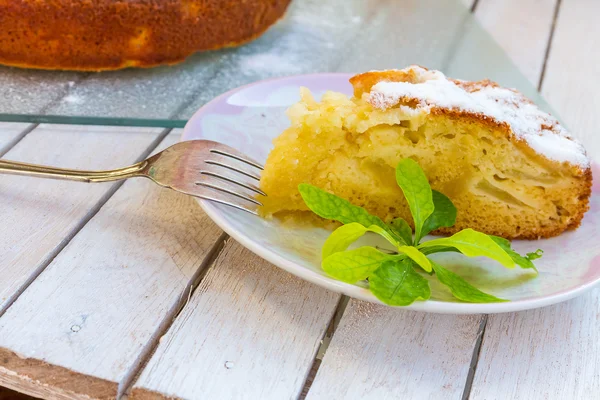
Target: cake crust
{"x": 111, "y": 34}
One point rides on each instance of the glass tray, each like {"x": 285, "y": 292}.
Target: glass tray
{"x": 314, "y": 36}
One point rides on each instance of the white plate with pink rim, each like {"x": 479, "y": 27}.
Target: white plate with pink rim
{"x": 250, "y": 117}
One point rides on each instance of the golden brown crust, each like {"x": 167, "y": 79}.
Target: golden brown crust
{"x": 96, "y": 35}
{"x": 363, "y": 83}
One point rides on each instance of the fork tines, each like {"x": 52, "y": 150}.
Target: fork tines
{"x": 248, "y": 186}
{"x": 242, "y": 159}
{"x": 211, "y": 162}
{"x": 216, "y": 169}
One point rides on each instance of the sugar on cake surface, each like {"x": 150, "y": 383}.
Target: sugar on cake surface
{"x": 510, "y": 168}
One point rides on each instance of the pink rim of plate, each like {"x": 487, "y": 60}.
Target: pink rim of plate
{"x": 432, "y": 306}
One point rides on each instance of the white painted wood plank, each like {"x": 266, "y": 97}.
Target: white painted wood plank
{"x": 80, "y": 328}
{"x": 250, "y": 331}
{"x": 522, "y": 28}
{"x": 549, "y": 353}
{"x": 554, "y": 352}
{"x": 43, "y": 213}
{"x": 384, "y": 353}
{"x": 9, "y": 132}
{"x": 572, "y": 80}
{"x": 468, "y": 3}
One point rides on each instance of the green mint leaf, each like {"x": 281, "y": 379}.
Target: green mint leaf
{"x": 462, "y": 289}
{"x": 414, "y": 254}
{"x": 341, "y": 238}
{"x": 444, "y": 213}
{"x": 330, "y": 206}
{"x": 354, "y": 265}
{"x": 385, "y": 233}
{"x": 401, "y": 228}
{"x": 523, "y": 262}
{"x": 535, "y": 255}
{"x": 473, "y": 244}
{"x": 416, "y": 189}
{"x": 347, "y": 234}
{"x": 396, "y": 283}
{"x": 438, "y": 249}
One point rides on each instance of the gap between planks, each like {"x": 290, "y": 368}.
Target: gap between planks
{"x": 473, "y": 5}
{"x": 89, "y": 215}
{"x": 146, "y": 353}
{"x": 475, "y": 357}
{"x": 17, "y": 139}
{"x": 325, "y": 342}
{"x": 557, "y": 7}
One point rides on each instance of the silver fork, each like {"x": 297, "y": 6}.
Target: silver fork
{"x": 199, "y": 168}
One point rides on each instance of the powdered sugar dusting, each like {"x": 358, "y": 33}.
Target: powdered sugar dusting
{"x": 430, "y": 89}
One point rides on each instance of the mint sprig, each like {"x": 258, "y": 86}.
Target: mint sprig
{"x": 396, "y": 278}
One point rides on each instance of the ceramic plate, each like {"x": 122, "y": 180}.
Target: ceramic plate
{"x": 248, "y": 118}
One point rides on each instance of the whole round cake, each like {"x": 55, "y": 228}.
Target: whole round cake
{"x": 94, "y": 35}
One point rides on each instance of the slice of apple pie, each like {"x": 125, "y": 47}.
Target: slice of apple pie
{"x": 510, "y": 168}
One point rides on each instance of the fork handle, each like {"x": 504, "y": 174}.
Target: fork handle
{"x": 42, "y": 171}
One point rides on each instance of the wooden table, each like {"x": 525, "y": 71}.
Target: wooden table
{"x": 117, "y": 289}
